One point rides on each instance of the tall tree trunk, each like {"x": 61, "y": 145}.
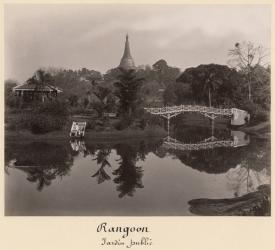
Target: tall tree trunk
{"x": 249, "y": 84}
{"x": 130, "y": 111}
{"x": 209, "y": 97}
{"x": 249, "y": 90}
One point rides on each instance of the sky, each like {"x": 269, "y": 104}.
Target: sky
{"x": 93, "y": 35}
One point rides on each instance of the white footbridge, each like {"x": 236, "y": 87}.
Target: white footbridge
{"x": 238, "y": 116}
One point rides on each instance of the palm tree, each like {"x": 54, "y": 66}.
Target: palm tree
{"x": 40, "y": 79}
{"x": 211, "y": 84}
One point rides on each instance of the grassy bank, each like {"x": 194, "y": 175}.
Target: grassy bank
{"x": 109, "y": 132}
{"x": 261, "y": 130}
{"x": 90, "y": 134}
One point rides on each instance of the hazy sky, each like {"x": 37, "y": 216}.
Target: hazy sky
{"x": 92, "y": 36}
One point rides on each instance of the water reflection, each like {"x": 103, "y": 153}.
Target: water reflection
{"x": 78, "y": 146}
{"x": 238, "y": 139}
{"x": 242, "y": 162}
{"x": 102, "y": 160}
{"x": 42, "y": 162}
{"x": 244, "y": 179}
{"x": 128, "y": 176}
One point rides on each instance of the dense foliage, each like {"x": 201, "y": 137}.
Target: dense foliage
{"x": 46, "y": 117}
{"x": 221, "y": 86}
{"x": 125, "y": 93}
{"x": 10, "y": 98}
{"x": 128, "y": 86}
{"x": 193, "y": 86}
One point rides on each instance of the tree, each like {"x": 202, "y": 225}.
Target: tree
{"x": 39, "y": 80}
{"x": 10, "y": 98}
{"x": 244, "y": 57}
{"x": 169, "y": 95}
{"x": 91, "y": 75}
{"x": 111, "y": 75}
{"x": 85, "y": 102}
{"x": 211, "y": 83}
{"x": 128, "y": 86}
{"x": 261, "y": 84}
{"x": 103, "y": 95}
{"x": 73, "y": 100}
{"x": 75, "y": 82}
{"x": 48, "y": 116}
{"x": 164, "y": 73}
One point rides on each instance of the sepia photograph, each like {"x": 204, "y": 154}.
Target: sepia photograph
{"x": 137, "y": 110}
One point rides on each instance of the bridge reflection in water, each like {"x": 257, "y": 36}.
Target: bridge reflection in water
{"x": 238, "y": 139}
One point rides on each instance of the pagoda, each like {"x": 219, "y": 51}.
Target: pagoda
{"x": 127, "y": 62}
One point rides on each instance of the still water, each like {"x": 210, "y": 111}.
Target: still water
{"x": 134, "y": 177}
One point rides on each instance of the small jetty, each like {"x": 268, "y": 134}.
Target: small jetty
{"x": 78, "y": 129}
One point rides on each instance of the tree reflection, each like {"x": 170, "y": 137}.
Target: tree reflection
{"x": 128, "y": 175}
{"x": 252, "y": 172}
{"x": 42, "y": 162}
{"x": 43, "y": 176}
{"x": 102, "y": 160}
{"x": 244, "y": 180}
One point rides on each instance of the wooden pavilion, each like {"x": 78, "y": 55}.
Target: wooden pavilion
{"x": 31, "y": 91}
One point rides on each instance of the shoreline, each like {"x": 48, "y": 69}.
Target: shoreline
{"x": 62, "y": 135}
{"x": 260, "y": 130}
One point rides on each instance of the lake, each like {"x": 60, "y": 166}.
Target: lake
{"x": 134, "y": 177}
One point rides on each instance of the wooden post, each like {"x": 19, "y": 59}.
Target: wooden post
{"x": 212, "y": 126}
{"x": 168, "y": 123}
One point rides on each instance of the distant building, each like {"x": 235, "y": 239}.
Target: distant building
{"x": 31, "y": 91}
{"x": 127, "y": 61}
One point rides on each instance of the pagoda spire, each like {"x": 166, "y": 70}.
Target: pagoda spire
{"x": 127, "y": 61}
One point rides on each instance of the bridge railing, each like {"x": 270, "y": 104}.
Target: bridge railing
{"x": 189, "y": 108}
{"x": 198, "y": 146}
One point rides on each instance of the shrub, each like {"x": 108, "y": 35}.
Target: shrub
{"x": 123, "y": 123}
{"x": 151, "y": 120}
{"x": 46, "y": 117}
{"x": 155, "y": 130}
{"x": 90, "y": 124}
{"x": 256, "y": 111}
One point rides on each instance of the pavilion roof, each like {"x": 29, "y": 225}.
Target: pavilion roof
{"x": 37, "y": 87}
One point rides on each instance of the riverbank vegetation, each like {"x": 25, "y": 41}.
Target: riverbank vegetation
{"x": 114, "y": 101}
